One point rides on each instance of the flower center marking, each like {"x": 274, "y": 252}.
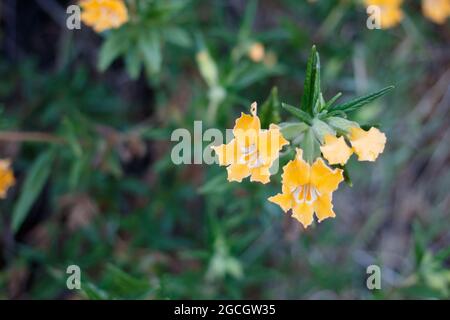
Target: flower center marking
{"x": 251, "y": 157}
{"x": 305, "y": 193}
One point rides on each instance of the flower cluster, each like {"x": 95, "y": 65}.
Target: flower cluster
{"x": 366, "y": 144}
{"x": 102, "y": 15}
{"x": 6, "y": 177}
{"x": 391, "y": 11}
{"x": 326, "y": 141}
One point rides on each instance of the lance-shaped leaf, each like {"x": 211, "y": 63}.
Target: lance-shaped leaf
{"x": 311, "y": 87}
{"x": 115, "y": 45}
{"x": 34, "y": 182}
{"x": 270, "y": 109}
{"x": 302, "y": 115}
{"x": 361, "y": 101}
{"x": 292, "y": 130}
{"x": 332, "y": 101}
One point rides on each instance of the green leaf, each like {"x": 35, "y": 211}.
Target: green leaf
{"x": 347, "y": 177}
{"x": 292, "y": 130}
{"x": 125, "y": 285}
{"x": 310, "y": 146}
{"x": 332, "y": 101}
{"x": 254, "y": 75}
{"x": 150, "y": 47}
{"x": 177, "y": 36}
{"x": 341, "y": 125}
{"x": 92, "y": 292}
{"x": 133, "y": 64}
{"x": 215, "y": 184}
{"x": 112, "y": 48}
{"x": 305, "y": 117}
{"x": 34, "y": 182}
{"x": 361, "y": 101}
{"x": 249, "y": 17}
{"x": 270, "y": 109}
{"x": 321, "y": 129}
{"x": 311, "y": 87}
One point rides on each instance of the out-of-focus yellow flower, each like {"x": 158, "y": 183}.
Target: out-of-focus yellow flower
{"x": 307, "y": 189}
{"x": 256, "y": 52}
{"x": 367, "y": 144}
{"x": 102, "y": 15}
{"x": 252, "y": 151}
{"x": 6, "y": 177}
{"x": 335, "y": 150}
{"x": 436, "y": 10}
{"x": 390, "y": 11}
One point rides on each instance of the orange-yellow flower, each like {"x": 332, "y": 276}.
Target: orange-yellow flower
{"x": 256, "y": 52}
{"x": 252, "y": 151}
{"x": 390, "y": 11}
{"x": 307, "y": 189}
{"x": 6, "y": 177}
{"x": 436, "y": 10}
{"x": 366, "y": 144}
{"x": 102, "y": 15}
{"x": 335, "y": 150}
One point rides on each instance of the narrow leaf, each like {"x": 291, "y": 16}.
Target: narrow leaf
{"x": 332, "y": 101}
{"x": 311, "y": 87}
{"x": 302, "y": 115}
{"x": 270, "y": 109}
{"x": 34, "y": 182}
{"x": 112, "y": 48}
{"x": 361, "y": 101}
{"x": 150, "y": 48}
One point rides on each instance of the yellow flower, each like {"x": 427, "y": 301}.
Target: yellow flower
{"x": 256, "y": 52}
{"x": 102, "y": 15}
{"x": 307, "y": 189}
{"x": 252, "y": 151}
{"x": 367, "y": 144}
{"x": 390, "y": 11}
{"x": 335, "y": 150}
{"x": 436, "y": 10}
{"x": 6, "y": 177}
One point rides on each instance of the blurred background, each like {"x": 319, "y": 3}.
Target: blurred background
{"x": 86, "y": 120}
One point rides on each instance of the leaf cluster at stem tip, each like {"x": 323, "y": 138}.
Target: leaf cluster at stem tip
{"x": 313, "y": 104}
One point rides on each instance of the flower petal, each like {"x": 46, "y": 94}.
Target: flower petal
{"x": 367, "y": 144}
{"x": 324, "y": 207}
{"x": 335, "y": 150}
{"x": 261, "y": 174}
{"x": 303, "y": 212}
{"x": 246, "y": 123}
{"x": 324, "y": 178}
{"x": 237, "y": 172}
{"x": 296, "y": 172}
{"x": 283, "y": 200}
{"x": 6, "y": 177}
{"x": 270, "y": 142}
{"x": 227, "y": 153}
